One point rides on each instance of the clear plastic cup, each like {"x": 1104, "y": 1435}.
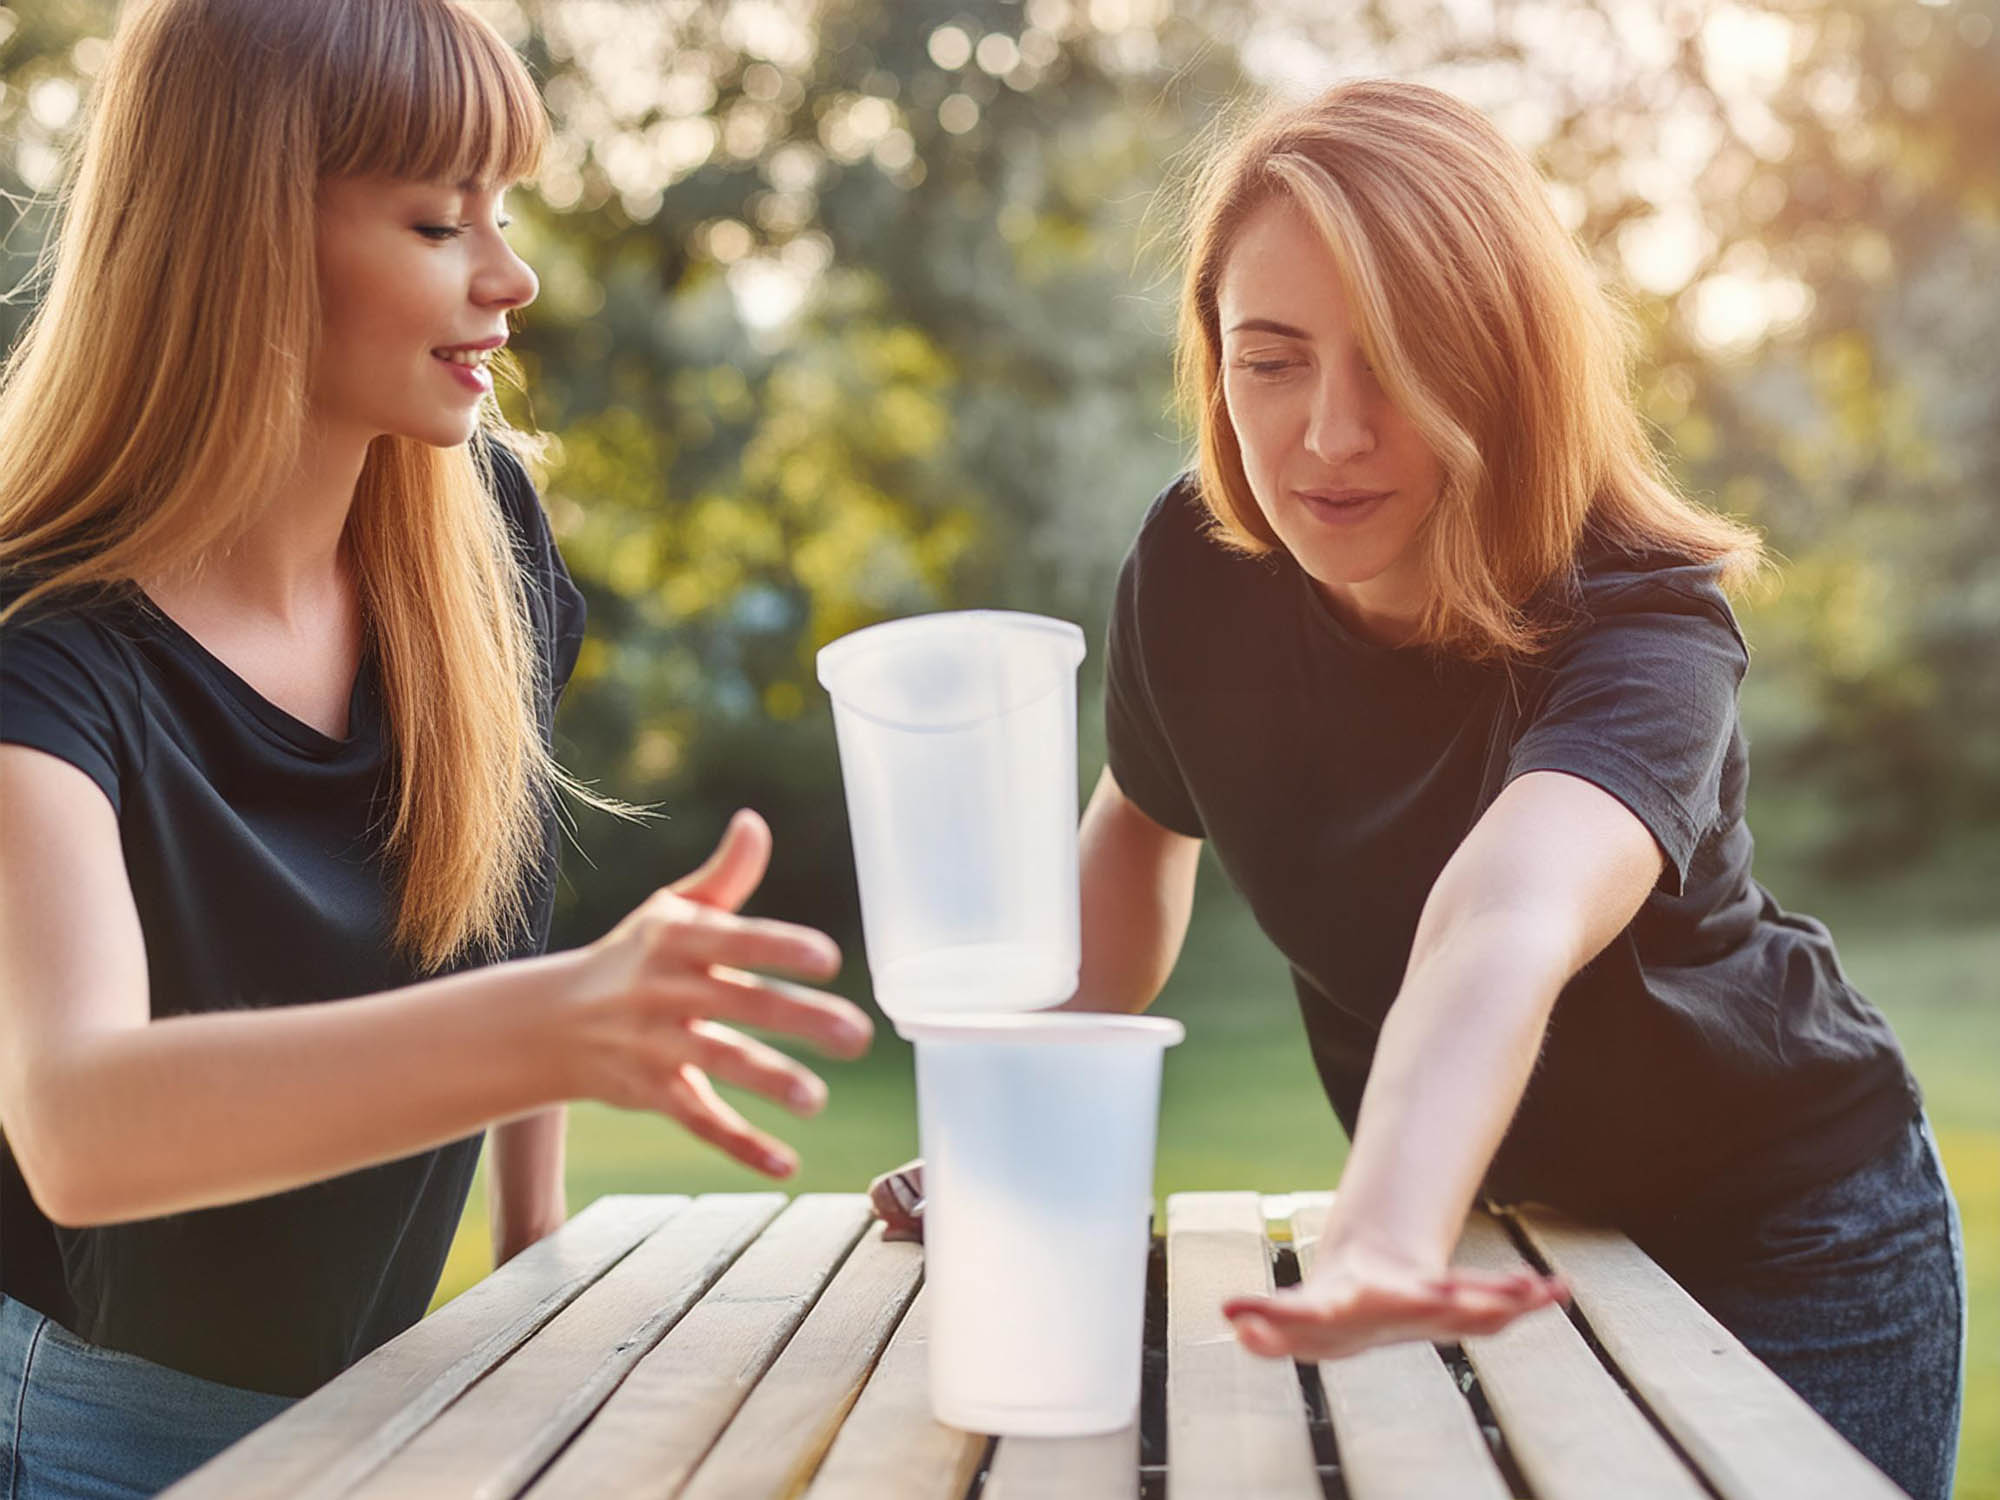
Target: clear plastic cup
{"x": 958, "y": 751}
{"x": 1038, "y": 1134}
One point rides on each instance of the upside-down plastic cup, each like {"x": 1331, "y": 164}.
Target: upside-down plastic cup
{"x": 957, "y": 741}
{"x": 1038, "y": 1134}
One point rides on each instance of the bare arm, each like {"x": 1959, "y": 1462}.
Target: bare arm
{"x": 1552, "y": 873}
{"x": 524, "y": 1181}
{"x": 1137, "y": 892}
{"x": 113, "y": 1115}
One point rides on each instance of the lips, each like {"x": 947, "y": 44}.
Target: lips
{"x": 1343, "y": 507}
{"x": 467, "y": 362}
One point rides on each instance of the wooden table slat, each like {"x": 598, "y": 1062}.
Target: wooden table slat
{"x": 739, "y": 1347}
{"x": 1402, "y": 1430}
{"x": 666, "y": 1415}
{"x": 783, "y": 1430}
{"x": 1745, "y": 1428}
{"x": 1574, "y": 1433}
{"x": 1080, "y": 1468}
{"x": 326, "y": 1445}
{"x": 891, "y": 1447}
{"x": 501, "y": 1432}
{"x": 1236, "y": 1424}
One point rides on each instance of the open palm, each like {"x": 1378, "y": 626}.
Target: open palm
{"x": 1344, "y": 1307}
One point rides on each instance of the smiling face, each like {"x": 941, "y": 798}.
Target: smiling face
{"x": 415, "y": 283}
{"x": 1342, "y": 476}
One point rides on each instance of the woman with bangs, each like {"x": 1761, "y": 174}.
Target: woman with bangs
{"x": 1431, "y": 652}
{"x": 284, "y": 630}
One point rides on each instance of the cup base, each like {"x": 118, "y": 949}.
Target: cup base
{"x": 1034, "y": 1421}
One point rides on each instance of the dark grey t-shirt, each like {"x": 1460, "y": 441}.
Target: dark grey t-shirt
{"x": 251, "y": 841}
{"x": 1712, "y": 1058}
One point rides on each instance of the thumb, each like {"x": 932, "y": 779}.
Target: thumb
{"x": 733, "y": 871}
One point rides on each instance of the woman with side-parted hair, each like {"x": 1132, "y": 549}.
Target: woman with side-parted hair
{"x": 282, "y": 631}
{"x": 1433, "y": 654}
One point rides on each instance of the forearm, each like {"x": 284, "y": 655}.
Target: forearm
{"x": 195, "y": 1111}
{"x": 1137, "y": 893}
{"x": 524, "y": 1178}
{"x": 1452, "y": 1062}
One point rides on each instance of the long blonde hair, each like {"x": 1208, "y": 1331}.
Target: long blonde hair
{"x": 1487, "y": 327}
{"x": 160, "y": 391}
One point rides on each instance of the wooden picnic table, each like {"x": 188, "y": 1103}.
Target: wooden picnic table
{"x": 743, "y": 1345}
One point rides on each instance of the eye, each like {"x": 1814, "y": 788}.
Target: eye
{"x": 1267, "y": 368}
{"x": 441, "y": 232}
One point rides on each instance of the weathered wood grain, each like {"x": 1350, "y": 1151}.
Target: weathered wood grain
{"x": 335, "y": 1438}
{"x": 1236, "y": 1424}
{"x": 1744, "y": 1428}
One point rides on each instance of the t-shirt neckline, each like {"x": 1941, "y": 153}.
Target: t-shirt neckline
{"x": 288, "y": 727}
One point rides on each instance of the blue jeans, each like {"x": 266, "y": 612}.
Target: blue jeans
{"x": 1854, "y": 1292}
{"x": 78, "y": 1422}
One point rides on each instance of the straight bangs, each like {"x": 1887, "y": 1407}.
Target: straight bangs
{"x": 427, "y": 92}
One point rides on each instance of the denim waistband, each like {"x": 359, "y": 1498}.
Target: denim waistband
{"x": 77, "y": 1419}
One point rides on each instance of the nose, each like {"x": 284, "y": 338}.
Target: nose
{"x": 1342, "y": 424}
{"x": 505, "y": 280}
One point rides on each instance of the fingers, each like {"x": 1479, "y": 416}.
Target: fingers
{"x": 733, "y": 871}
{"x": 1309, "y": 1323}
{"x": 692, "y": 1100}
{"x": 692, "y": 936}
{"x": 1257, "y": 1335}
{"x": 734, "y": 1058}
{"x": 831, "y": 1024}
{"x": 898, "y": 1200}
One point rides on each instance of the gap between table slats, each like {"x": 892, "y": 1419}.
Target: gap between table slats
{"x": 340, "y": 1434}
{"x": 1402, "y": 1429}
{"x": 891, "y": 1447}
{"x": 778, "y": 1437}
{"x": 1236, "y": 1424}
{"x": 1752, "y": 1436}
{"x": 655, "y": 1428}
{"x": 497, "y": 1436}
{"x": 1572, "y": 1431}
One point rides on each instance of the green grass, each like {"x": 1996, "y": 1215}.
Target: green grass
{"x": 1242, "y": 1108}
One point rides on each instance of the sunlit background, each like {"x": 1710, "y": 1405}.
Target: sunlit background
{"x": 858, "y": 308}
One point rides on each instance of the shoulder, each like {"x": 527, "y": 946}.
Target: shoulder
{"x": 90, "y": 630}
{"x": 507, "y": 480}
{"x": 1176, "y": 520}
{"x": 1177, "y": 551}
{"x": 1619, "y": 594}
{"x": 69, "y": 685}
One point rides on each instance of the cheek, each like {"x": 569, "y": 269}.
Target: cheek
{"x": 1257, "y": 418}
{"x": 372, "y": 313}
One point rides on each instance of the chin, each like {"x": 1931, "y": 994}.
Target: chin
{"x": 446, "y": 434}
{"x": 1343, "y": 569}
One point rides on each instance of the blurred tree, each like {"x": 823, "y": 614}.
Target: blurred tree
{"x": 848, "y": 312}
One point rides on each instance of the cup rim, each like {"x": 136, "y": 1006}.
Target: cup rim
{"x": 833, "y": 658}
{"x": 1042, "y": 1027}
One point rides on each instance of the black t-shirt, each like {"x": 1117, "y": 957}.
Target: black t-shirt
{"x": 252, "y": 845}
{"x": 1710, "y": 1059}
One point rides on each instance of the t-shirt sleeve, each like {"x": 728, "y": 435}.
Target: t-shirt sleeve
{"x": 1641, "y": 703}
{"x": 56, "y": 697}
{"x": 547, "y": 573}
{"x": 1141, "y": 758}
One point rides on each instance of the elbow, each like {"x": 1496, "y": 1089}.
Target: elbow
{"x": 54, "y": 1184}
{"x": 1509, "y": 950}
{"x": 58, "y": 1177}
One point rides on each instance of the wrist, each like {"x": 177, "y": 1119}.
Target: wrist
{"x": 1342, "y": 1248}
{"x": 550, "y": 1049}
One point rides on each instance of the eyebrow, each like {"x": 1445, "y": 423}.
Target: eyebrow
{"x": 1271, "y": 325}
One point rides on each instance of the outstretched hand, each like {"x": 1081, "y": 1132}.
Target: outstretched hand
{"x": 658, "y": 1000}
{"x": 1354, "y": 1303}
